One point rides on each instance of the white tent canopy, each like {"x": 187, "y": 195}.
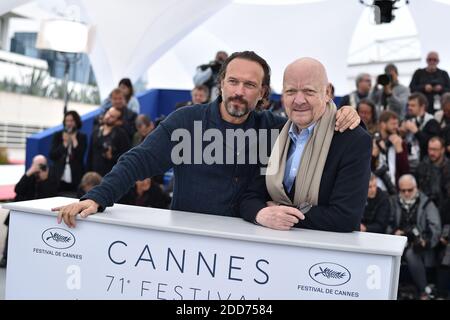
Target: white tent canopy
{"x": 172, "y": 37}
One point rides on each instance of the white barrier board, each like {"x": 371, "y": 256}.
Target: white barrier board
{"x": 105, "y": 261}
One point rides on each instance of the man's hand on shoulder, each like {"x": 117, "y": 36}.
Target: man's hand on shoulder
{"x": 69, "y": 212}
{"x": 346, "y": 118}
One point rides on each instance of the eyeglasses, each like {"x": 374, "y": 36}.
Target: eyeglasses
{"x": 406, "y": 190}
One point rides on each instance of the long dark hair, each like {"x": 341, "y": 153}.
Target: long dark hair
{"x": 76, "y": 118}
{"x": 372, "y": 107}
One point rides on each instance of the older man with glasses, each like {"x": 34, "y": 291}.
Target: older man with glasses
{"x": 416, "y": 217}
{"x": 431, "y": 81}
{"x": 363, "y": 86}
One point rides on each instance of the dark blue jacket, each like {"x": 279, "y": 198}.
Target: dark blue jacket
{"x": 343, "y": 186}
{"x": 203, "y": 188}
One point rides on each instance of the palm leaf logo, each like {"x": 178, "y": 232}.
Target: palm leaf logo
{"x": 58, "y": 238}
{"x": 330, "y": 274}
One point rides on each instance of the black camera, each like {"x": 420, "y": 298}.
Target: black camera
{"x": 214, "y": 65}
{"x": 409, "y": 117}
{"x": 414, "y": 238}
{"x": 384, "y": 79}
{"x": 377, "y": 137}
{"x": 383, "y": 174}
{"x": 105, "y": 146}
{"x": 387, "y": 143}
{"x": 70, "y": 130}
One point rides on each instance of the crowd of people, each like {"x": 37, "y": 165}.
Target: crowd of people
{"x": 409, "y": 191}
{"x": 409, "y": 187}
{"x": 74, "y": 166}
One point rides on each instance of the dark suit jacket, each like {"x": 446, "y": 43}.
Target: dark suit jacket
{"x": 58, "y": 155}
{"x": 343, "y": 187}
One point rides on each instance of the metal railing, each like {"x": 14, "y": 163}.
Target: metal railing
{"x": 14, "y": 135}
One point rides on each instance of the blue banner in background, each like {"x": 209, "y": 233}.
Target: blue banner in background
{"x": 154, "y": 103}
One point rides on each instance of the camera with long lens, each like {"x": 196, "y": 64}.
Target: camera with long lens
{"x": 214, "y": 65}
{"x": 387, "y": 143}
{"x": 383, "y": 173}
{"x": 384, "y": 79}
{"x": 409, "y": 117}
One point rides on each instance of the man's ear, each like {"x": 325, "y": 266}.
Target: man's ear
{"x": 328, "y": 92}
{"x": 220, "y": 88}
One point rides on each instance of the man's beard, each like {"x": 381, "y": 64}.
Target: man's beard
{"x": 235, "y": 112}
{"x": 436, "y": 160}
{"x": 409, "y": 203}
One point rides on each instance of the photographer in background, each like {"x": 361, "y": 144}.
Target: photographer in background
{"x": 377, "y": 211}
{"x": 418, "y": 128}
{"x": 389, "y": 94}
{"x": 416, "y": 217}
{"x": 389, "y": 153}
{"x": 431, "y": 81}
{"x": 443, "y": 118}
{"x": 38, "y": 182}
{"x": 108, "y": 143}
{"x": 433, "y": 174}
{"x": 207, "y": 74}
{"x": 118, "y": 101}
{"x": 67, "y": 153}
{"x": 363, "y": 84}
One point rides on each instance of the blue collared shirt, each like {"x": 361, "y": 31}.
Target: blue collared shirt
{"x": 298, "y": 143}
